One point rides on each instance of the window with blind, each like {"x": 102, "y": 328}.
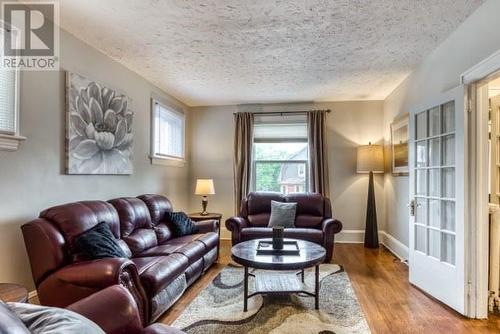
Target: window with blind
{"x": 280, "y": 154}
{"x": 168, "y": 132}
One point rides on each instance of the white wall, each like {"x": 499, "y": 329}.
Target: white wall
{"x": 32, "y": 178}
{"x": 477, "y": 38}
{"x": 349, "y": 124}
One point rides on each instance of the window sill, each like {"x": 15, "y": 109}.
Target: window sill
{"x": 10, "y": 142}
{"x": 167, "y": 161}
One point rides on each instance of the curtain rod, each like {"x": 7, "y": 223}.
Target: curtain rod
{"x": 284, "y": 112}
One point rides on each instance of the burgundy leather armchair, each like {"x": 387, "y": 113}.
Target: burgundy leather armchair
{"x": 159, "y": 267}
{"x": 313, "y": 221}
{"x": 113, "y": 309}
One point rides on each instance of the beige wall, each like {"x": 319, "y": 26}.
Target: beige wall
{"x": 349, "y": 124}
{"x": 32, "y": 178}
{"x": 473, "y": 41}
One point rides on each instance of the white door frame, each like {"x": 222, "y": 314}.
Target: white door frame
{"x": 477, "y": 252}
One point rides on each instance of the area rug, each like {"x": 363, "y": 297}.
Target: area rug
{"x": 219, "y": 307}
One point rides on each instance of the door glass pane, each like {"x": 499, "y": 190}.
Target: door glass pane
{"x": 434, "y": 182}
{"x": 421, "y": 210}
{"x": 448, "y": 215}
{"x": 422, "y": 153}
{"x": 448, "y": 150}
{"x": 435, "y": 213}
{"x": 434, "y": 152}
{"x": 421, "y": 182}
{"x": 449, "y": 117}
{"x": 434, "y": 243}
{"x": 420, "y": 235}
{"x": 448, "y": 182}
{"x": 434, "y": 121}
{"x": 448, "y": 248}
{"x": 422, "y": 125}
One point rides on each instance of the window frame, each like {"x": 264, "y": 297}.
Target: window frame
{"x": 9, "y": 141}
{"x": 165, "y": 159}
{"x": 278, "y": 140}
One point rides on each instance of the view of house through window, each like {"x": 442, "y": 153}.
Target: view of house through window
{"x": 280, "y": 157}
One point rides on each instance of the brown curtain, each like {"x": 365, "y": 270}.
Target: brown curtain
{"x": 243, "y": 139}
{"x": 318, "y": 158}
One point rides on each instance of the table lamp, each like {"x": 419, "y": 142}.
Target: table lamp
{"x": 204, "y": 187}
{"x": 371, "y": 160}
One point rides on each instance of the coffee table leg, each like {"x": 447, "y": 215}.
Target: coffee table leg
{"x": 245, "y": 290}
{"x": 316, "y": 288}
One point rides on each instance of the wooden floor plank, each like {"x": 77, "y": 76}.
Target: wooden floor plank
{"x": 390, "y": 303}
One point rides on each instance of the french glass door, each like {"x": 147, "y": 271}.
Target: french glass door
{"x": 437, "y": 188}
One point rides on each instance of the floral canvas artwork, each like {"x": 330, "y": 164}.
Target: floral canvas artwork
{"x": 99, "y": 128}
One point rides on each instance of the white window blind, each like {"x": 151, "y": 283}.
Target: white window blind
{"x": 278, "y": 127}
{"x": 8, "y": 102}
{"x": 168, "y": 132}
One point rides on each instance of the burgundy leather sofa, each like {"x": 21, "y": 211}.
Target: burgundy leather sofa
{"x": 113, "y": 309}
{"x": 157, "y": 272}
{"x": 313, "y": 221}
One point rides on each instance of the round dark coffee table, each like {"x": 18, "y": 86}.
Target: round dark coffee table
{"x": 310, "y": 254}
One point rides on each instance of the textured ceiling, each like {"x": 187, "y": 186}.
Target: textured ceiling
{"x": 209, "y": 52}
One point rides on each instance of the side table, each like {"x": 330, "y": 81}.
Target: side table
{"x": 16, "y": 293}
{"x": 197, "y": 216}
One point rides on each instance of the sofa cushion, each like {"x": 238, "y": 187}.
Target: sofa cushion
{"x": 161, "y": 250}
{"x": 259, "y": 220}
{"x": 308, "y": 203}
{"x": 98, "y": 243}
{"x": 133, "y": 214}
{"x": 158, "y": 205}
{"x": 282, "y": 214}
{"x": 163, "y": 232}
{"x": 260, "y": 202}
{"x": 210, "y": 240}
{"x": 141, "y": 239}
{"x": 313, "y": 235}
{"x": 163, "y": 272}
{"x": 193, "y": 251}
{"x": 181, "y": 224}
{"x": 75, "y": 218}
{"x": 143, "y": 263}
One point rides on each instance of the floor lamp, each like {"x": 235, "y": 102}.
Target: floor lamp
{"x": 371, "y": 160}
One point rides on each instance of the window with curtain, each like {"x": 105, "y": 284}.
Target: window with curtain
{"x": 9, "y": 108}
{"x": 280, "y": 154}
{"x": 168, "y": 132}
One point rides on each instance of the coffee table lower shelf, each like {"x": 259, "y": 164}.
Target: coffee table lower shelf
{"x": 278, "y": 283}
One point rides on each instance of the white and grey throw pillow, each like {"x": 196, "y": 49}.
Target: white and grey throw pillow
{"x": 282, "y": 214}
{"x": 51, "y": 320}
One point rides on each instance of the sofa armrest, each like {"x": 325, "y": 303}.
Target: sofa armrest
{"x": 79, "y": 280}
{"x": 235, "y": 225}
{"x": 205, "y": 226}
{"x": 113, "y": 309}
{"x": 331, "y": 226}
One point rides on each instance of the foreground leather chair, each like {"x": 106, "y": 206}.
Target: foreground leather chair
{"x": 159, "y": 269}
{"x": 113, "y": 309}
{"x": 313, "y": 221}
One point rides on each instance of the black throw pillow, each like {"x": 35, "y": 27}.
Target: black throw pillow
{"x": 98, "y": 243}
{"x": 181, "y": 224}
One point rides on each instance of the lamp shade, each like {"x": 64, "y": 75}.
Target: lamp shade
{"x": 370, "y": 159}
{"x": 204, "y": 187}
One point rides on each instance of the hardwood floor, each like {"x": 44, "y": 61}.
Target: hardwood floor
{"x": 380, "y": 280}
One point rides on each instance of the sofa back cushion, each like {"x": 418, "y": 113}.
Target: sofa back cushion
{"x": 310, "y": 209}
{"x": 257, "y": 207}
{"x": 158, "y": 206}
{"x": 75, "y": 218}
{"x": 135, "y": 224}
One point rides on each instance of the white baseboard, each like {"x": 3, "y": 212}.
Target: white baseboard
{"x": 395, "y": 246}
